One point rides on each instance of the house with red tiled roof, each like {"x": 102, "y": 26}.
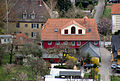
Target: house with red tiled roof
{"x": 115, "y": 18}
{"x": 75, "y": 32}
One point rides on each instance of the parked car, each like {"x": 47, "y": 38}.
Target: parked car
{"x": 118, "y": 68}
{"x": 113, "y": 66}
{"x": 88, "y": 66}
{"x": 113, "y": 1}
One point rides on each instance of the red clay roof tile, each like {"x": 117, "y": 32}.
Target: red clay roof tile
{"x": 47, "y": 32}
{"x": 116, "y": 9}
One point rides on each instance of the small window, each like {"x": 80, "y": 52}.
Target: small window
{"x": 95, "y": 42}
{"x": 35, "y": 26}
{"x": 66, "y": 31}
{"x": 57, "y": 43}
{"x": 26, "y": 25}
{"x": 65, "y": 43}
{"x": 42, "y": 25}
{"x": 80, "y": 31}
{"x": 78, "y": 43}
{"x": 73, "y": 43}
{"x": 55, "y": 30}
{"x": 5, "y": 40}
{"x": 17, "y": 25}
{"x": 49, "y": 43}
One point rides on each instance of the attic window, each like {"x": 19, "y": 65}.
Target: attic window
{"x": 33, "y": 15}
{"x": 73, "y": 30}
{"x": 55, "y": 30}
{"x": 80, "y": 31}
{"x": 66, "y": 31}
{"x": 24, "y": 15}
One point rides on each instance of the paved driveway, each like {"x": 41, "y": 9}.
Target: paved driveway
{"x": 105, "y": 70}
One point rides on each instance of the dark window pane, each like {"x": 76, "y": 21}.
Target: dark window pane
{"x": 66, "y": 31}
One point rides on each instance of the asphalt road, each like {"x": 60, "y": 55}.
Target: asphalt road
{"x": 105, "y": 69}
{"x": 99, "y": 9}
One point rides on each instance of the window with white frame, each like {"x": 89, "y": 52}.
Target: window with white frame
{"x": 49, "y": 42}
{"x": 65, "y": 43}
{"x": 57, "y": 43}
{"x": 78, "y": 43}
{"x": 73, "y": 43}
{"x": 95, "y": 42}
{"x": 33, "y": 34}
{"x": 24, "y": 15}
{"x": 34, "y": 25}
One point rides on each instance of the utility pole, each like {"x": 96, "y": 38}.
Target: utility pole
{"x": 6, "y": 17}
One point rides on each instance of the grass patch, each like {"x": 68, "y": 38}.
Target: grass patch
{"x": 115, "y": 78}
{"x": 107, "y": 13}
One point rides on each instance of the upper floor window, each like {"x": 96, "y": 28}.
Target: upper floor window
{"x": 18, "y": 25}
{"x": 65, "y": 43}
{"x": 78, "y": 43}
{"x": 26, "y": 25}
{"x": 42, "y": 25}
{"x": 35, "y": 25}
{"x": 66, "y": 31}
{"x": 80, "y": 31}
{"x": 95, "y": 42}
{"x": 57, "y": 43}
{"x": 73, "y": 30}
{"x": 73, "y": 43}
{"x": 49, "y": 42}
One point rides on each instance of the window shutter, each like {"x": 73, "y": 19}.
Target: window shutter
{"x": 37, "y": 25}
{"x": 32, "y": 25}
{"x": 31, "y": 34}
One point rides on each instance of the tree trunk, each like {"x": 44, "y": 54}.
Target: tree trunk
{"x": 11, "y": 53}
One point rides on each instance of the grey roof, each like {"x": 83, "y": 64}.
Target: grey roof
{"x": 91, "y": 49}
{"x": 116, "y": 42}
{"x": 52, "y": 55}
{"x": 6, "y": 36}
{"x": 28, "y": 6}
{"x": 70, "y": 73}
{"x": 115, "y": 45}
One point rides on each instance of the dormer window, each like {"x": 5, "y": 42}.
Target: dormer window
{"x": 24, "y": 15}
{"x": 73, "y": 30}
{"x": 66, "y": 31}
{"x": 33, "y": 15}
{"x": 80, "y": 31}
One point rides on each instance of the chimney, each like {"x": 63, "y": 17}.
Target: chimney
{"x": 85, "y": 19}
{"x": 40, "y": 3}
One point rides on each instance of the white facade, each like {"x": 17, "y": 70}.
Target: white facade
{"x": 5, "y": 39}
{"x": 115, "y": 23}
{"x": 76, "y": 30}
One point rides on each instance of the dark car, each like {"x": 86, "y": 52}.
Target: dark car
{"x": 88, "y": 66}
{"x": 113, "y": 1}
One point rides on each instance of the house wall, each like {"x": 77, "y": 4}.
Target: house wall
{"x": 76, "y": 29}
{"x": 45, "y": 44}
{"x": 27, "y": 30}
{"x": 115, "y": 23}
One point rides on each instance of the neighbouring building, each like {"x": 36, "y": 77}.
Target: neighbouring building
{"x": 115, "y": 18}
{"x": 116, "y": 49}
{"x": 6, "y": 39}
{"x": 27, "y": 16}
{"x": 74, "y": 32}
{"x": 65, "y": 75}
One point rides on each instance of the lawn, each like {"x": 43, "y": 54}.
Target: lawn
{"x": 115, "y": 78}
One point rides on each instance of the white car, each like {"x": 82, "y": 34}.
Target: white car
{"x": 114, "y": 66}
{"x": 118, "y": 68}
